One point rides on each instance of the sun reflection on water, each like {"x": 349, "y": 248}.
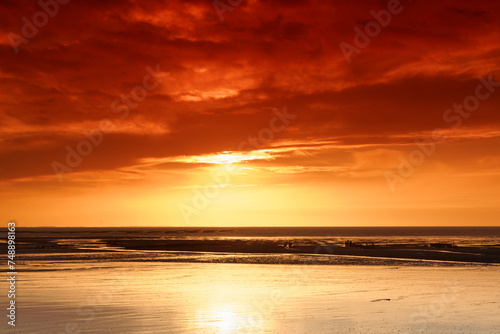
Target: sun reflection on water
{"x": 225, "y": 319}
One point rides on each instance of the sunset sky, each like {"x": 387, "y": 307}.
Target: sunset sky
{"x": 250, "y": 114}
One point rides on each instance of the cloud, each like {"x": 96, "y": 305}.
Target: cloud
{"x": 225, "y": 78}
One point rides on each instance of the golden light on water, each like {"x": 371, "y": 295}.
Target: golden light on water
{"x": 231, "y": 307}
{"x": 226, "y": 319}
{"x": 222, "y": 320}
{"x": 227, "y": 322}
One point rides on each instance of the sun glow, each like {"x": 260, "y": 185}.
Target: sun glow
{"x": 231, "y": 158}
{"x": 226, "y": 157}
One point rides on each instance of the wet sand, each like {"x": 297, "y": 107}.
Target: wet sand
{"x": 144, "y": 249}
{"x": 210, "y": 298}
{"x": 149, "y": 282}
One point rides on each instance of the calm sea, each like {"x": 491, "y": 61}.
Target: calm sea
{"x": 475, "y": 233}
{"x": 273, "y": 231}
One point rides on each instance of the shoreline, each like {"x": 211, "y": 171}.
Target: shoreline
{"x": 303, "y": 251}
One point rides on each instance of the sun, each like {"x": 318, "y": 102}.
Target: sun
{"x": 232, "y": 158}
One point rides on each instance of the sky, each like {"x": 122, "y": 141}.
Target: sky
{"x": 250, "y": 113}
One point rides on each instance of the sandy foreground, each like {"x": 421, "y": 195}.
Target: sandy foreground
{"x": 132, "y": 297}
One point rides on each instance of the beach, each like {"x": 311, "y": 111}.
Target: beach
{"x": 250, "y": 298}
{"x": 130, "y": 280}
{"x": 329, "y": 246}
